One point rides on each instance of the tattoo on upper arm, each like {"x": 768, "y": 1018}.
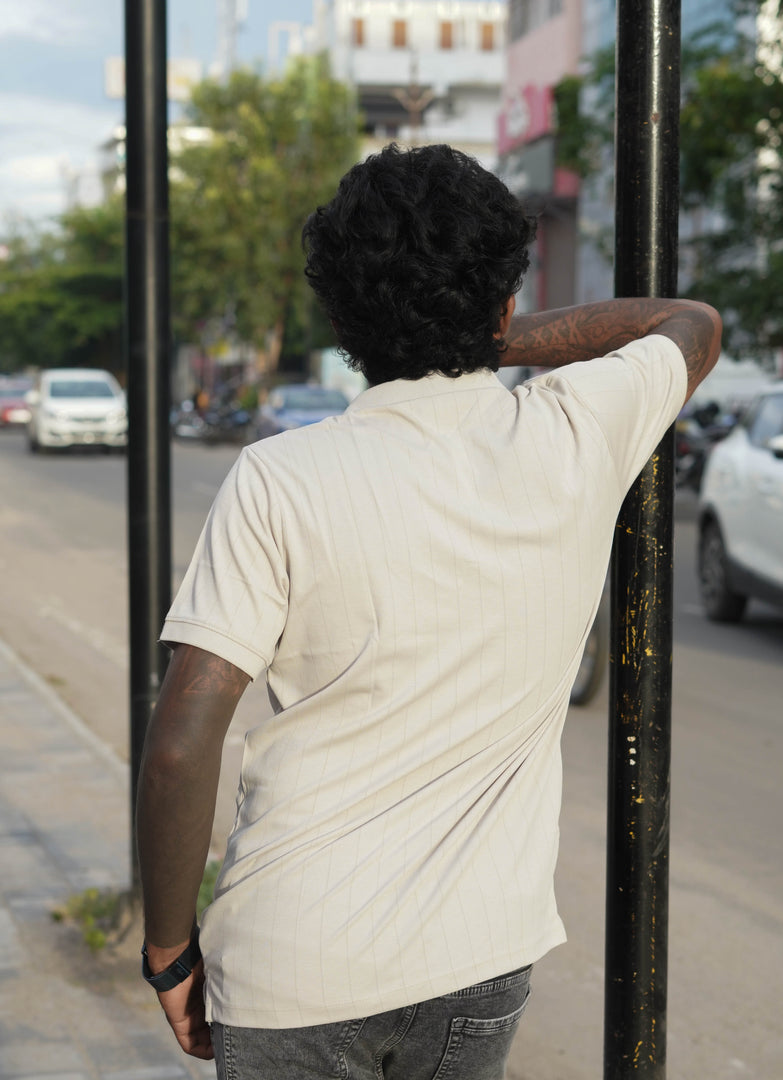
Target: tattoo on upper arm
{"x": 204, "y": 674}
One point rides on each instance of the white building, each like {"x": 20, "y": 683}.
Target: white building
{"x": 425, "y": 70}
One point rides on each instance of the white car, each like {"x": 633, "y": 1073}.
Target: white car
{"x": 76, "y": 407}
{"x": 741, "y": 513}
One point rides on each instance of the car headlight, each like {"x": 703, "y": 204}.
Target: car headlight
{"x": 116, "y": 416}
{"x": 53, "y": 414}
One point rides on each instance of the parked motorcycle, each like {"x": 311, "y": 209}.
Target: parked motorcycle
{"x": 695, "y": 435}
{"x": 219, "y": 423}
{"x": 226, "y": 424}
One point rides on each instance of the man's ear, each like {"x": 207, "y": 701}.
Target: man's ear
{"x": 505, "y": 317}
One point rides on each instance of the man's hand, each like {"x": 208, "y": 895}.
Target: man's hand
{"x": 184, "y": 1009}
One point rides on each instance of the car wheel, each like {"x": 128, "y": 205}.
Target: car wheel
{"x": 594, "y": 659}
{"x": 32, "y": 443}
{"x": 720, "y": 601}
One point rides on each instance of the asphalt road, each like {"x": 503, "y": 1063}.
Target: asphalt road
{"x": 63, "y": 608}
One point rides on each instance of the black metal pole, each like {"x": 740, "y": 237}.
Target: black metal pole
{"x": 647, "y": 195}
{"x": 147, "y": 346}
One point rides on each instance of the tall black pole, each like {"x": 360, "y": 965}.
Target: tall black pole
{"x": 647, "y": 164}
{"x": 148, "y": 344}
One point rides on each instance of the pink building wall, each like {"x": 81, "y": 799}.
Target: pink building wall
{"x": 535, "y": 63}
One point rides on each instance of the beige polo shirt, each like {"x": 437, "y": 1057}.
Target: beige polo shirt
{"x": 417, "y": 577}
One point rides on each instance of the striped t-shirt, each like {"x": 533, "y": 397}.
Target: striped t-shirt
{"x": 417, "y": 577}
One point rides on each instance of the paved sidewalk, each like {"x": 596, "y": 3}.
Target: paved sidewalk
{"x": 65, "y": 1013}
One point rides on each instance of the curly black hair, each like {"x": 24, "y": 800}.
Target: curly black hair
{"x": 414, "y": 260}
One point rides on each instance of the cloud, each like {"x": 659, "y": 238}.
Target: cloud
{"x": 48, "y": 20}
{"x": 49, "y": 152}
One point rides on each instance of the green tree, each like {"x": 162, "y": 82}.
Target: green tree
{"x": 61, "y": 292}
{"x": 273, "y": 149}
{"x": 731, "y": 126}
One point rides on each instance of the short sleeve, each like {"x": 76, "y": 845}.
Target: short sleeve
{"x": 634, "y": 395}
{"x": 233, "y": 600}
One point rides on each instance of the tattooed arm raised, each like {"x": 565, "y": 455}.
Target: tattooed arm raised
{"x": 565, "y": 335}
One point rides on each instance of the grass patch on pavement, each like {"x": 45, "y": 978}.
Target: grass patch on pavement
{"x": 97, "y": 913}
{"x": 105, "y": 915}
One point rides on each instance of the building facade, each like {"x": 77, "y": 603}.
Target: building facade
{"x": 545, "y": 44}
{"x": 594, "y": 274}
{"x": 549, "y": 39}
{"x": 425, "y": 71}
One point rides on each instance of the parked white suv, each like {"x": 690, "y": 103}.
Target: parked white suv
{"x": 741, "y": 513}
{"x": 76, "y": 407}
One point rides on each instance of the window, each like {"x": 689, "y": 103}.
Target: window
{"x": 357, "y": 32}
{"x": 487, "y": 36}
{"x": 447, "y": 35}
{"x": 87, "y": 389}
{"x": 519, "y": 19}
{"x": 399, "y": 34}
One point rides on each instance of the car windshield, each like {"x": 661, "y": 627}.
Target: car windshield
{"x": 310, "y": 399}
{"x": 80, "y": 388}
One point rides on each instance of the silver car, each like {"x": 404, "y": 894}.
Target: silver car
{"x": 76, "y": 407}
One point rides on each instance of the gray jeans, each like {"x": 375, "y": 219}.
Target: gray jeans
{"x": 462, "y": 1036}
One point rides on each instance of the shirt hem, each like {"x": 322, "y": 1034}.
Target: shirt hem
{"x": 371, "y": 1005}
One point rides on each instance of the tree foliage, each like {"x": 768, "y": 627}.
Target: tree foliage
{"x": 731, "y": 178}
{"x": 271, "y": 150}
{"x": 61, "y": 292}
{"x": 276, "y": 149}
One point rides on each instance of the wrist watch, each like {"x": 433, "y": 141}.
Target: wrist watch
{"x": 177, "y": 971}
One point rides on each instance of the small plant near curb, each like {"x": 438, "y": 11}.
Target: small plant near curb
{"x": 104, "y": 915}
{"x": 96, "y": 911}
{"x": 207, "y": 889}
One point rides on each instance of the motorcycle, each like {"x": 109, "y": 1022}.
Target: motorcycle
{"x": 695, "y": 436}
{"x": 219, "y": 423}
{"x": 225, "y": 424}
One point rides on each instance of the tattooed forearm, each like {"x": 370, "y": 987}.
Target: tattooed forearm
{"x": 566, "y": 335}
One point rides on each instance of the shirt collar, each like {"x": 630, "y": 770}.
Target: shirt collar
{"x": 398, "y": 391}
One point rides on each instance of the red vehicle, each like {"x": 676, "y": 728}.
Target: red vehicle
{"x": 13, "y": 408}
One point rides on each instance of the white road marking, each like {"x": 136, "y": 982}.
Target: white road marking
{"x": 97, "y": 639}
{"x": 55, "y": 702}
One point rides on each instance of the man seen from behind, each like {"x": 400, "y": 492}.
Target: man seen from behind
{"x": 415, "y": 579}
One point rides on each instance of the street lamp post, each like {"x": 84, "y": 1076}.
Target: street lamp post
{"x": 647, "y": 200}
{"x": 147, "y": 338}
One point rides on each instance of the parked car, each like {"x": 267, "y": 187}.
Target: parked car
{"x": 13, "y": 407}
{"x": 76, "y": 407}
{"x": 740, "y": 551}
{"x": 296, "y": 405}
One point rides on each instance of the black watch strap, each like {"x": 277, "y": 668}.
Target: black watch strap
{"x": 177, "y": 971}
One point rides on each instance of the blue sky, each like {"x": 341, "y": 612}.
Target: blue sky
{"x": 54, "y": 112}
